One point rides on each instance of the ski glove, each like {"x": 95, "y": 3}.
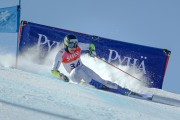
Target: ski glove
{"x": 64, "y": 77}
{"x": 60, "y": 75}
{"x": 92, "y": 51}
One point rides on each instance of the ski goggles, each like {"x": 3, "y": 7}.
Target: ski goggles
{"x": 73, "y": 45}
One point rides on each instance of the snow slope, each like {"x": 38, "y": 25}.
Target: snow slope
{"x": 32, "y": 93}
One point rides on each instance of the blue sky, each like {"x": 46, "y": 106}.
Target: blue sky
{"x": 153, "y": 23}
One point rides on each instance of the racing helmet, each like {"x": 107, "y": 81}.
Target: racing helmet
{"x": 71, "y": 41}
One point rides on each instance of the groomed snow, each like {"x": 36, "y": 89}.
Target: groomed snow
{"x": 32, "y": 93}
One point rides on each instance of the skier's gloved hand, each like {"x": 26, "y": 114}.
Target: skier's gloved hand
{"x": 92, "y": 51}
{"x": 64, "y": 77}
{"x": 60, "y": 75}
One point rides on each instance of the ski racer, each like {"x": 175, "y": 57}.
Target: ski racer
{"x": 69, "y": 56}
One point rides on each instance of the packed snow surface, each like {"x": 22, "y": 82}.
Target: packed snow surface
{"x": 31, "y": 92}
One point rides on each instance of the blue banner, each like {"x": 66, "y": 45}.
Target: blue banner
{"x": 9, "y": 19}
{"x": 150, "y": 61}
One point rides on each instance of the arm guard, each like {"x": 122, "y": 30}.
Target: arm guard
{"x": 56, "y": 73}
{"x": 92, "y": 51}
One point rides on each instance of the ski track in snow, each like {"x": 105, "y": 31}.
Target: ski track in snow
{"x": 25, "y": 95}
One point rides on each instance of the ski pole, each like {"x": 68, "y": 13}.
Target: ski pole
{"x": 118, "y": 68}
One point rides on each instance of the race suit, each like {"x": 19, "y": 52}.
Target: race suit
{"x": 78, "y": 71}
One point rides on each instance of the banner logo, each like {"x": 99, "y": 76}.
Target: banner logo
{"x": 128, "y": 61}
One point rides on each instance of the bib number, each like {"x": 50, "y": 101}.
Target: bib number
{"x": 73, "y": 65}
